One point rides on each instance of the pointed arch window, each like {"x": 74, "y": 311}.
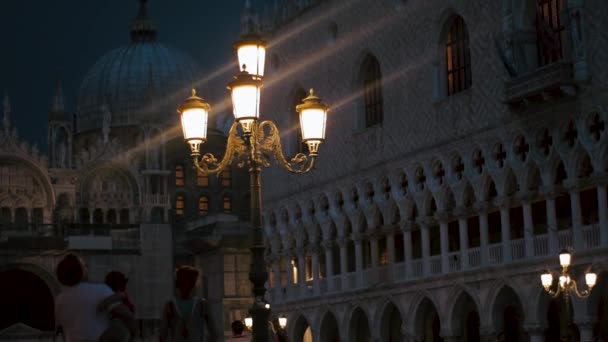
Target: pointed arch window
{"x": 180, "y": 204}
{"x": 203, "y": 206}
{"x": 180, "y": 177}
{"x": 226, "y": 178}
{"x": 201, "y": 179}
{"x": 550, "y": 31}
{"x": 372, "y": 91}
{"x": 227, "y": 204}
{"x": 458, "y": 57}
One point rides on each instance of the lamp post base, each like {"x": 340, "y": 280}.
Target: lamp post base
{"x": 260, "y": 317}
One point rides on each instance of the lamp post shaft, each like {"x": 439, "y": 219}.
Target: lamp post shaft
{"x": 257, "y": 274}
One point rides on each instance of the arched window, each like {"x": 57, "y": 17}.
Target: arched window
{"x": 227, "y": 204}
{"x": 179, "y": 205}
{"x": 179, "y": 175}
{"x": 201, "y": 179}
{"x": 458, "y": 57}
{"x": 203, "y": 206}
{"x": 550, "y": 31}
{"x": 299, "y": 146}
{"x": 226, "y": 178}
{"x": 372, "y": 91}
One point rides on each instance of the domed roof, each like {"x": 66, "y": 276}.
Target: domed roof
{"x": 142, "y": 82}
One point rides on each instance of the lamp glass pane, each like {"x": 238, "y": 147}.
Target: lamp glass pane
{"x": 546, "y": 279}
{"x": 282, "y": 322}
{"x": 564, "y": 259}
{"x": 248, "y": 322}
{"x": 194, "y": 124}
{"x": 253, "y": 57}
{"x": 312, "y": 121}
{"x": 246, "y": 101}
{"x": 590, "y": 279}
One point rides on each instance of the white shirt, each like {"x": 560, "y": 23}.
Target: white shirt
{"x": 76, "y": 311}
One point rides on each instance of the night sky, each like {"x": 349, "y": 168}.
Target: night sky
{"x": 42, "y": 41}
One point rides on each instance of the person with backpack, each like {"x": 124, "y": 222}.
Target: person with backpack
{"x": 185, "y": 318}
{"x": 122, "y": 320}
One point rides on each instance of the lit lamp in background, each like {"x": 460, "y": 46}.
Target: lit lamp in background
{"x": 566, "y": 285}
{"x": 251, "y": 143}
{"x": 248, "y": 323}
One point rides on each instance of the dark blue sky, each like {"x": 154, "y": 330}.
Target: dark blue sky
{"x": 45, "y": 40}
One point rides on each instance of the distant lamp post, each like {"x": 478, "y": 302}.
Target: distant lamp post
{"x": 565, "y": 286}
{"x": 252, "y": 142}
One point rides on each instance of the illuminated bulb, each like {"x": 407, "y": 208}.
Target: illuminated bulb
{"x": 248, "y": 322}
{"x": 565, "y": 258}
{"x": 546, "y": 279}
{"x": 590, "y": 279}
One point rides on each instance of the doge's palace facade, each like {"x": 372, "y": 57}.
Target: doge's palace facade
{"x": 466, "y": 146}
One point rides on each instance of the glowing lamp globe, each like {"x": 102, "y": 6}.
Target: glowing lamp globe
{"x": 248, "y": 322}
{"x": 590, "y": 279}
{"x": 313, "y": 119}
{"x": 194, "y": 114}
{"x": 245, "y": 94}
{"x": 251, "y": 51}
{"x": 564, "y": 258}
{"x": 282, "y": 322}
{"x": 546, "y": 279}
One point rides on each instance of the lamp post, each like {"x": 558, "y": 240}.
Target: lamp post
{"x": 250, "y": 143}
{"x": 567, "y": 285}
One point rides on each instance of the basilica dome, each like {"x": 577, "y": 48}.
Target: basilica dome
{"x": 141, "y": 82}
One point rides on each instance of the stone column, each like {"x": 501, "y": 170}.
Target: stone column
{"x": 276, "y": 271}
{"x": 357, "y": 239}
{"x": 536, "y": 332}
{"x": 315, "y": 270}
{"x": 390, "y": 250}
{"x": 464, "y": 240}
{"x": 444, "y": 242}
{"x": 602, "y": 205}
{"x": 374, "y": 250}
{"x": 577, "y": 220}
{"x": 505, "y": 230}
{"x": 329, "y": 264}
{"x": 551, "y": 221}
{"x": 407, "y": 246}
{"x": 343, "y": 243}
{"x": 482, "y": 209}
{"x": 426, "y": 247}
{"x": 301, "y": 253}
{"x": 528, "y": 228}
{"x": 576, "y": 15}
{"x": 585, "y": 328}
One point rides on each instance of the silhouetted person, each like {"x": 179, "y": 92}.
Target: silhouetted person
{"x": 76, "y": 304}
{"x": 237, "y": 332}
{"x": 185, "y": 318}
{"x": 122, "y": 322}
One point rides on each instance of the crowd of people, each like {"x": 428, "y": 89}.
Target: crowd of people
{"x": 103, "y": 312}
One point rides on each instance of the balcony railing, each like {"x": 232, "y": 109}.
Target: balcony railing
{"x": 399, "y": 272}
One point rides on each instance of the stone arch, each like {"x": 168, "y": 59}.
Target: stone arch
{"x": 358, "y": 326}
{"x": 390, "y": 322}
{"x": 464, "y": 306}
{"x": 597, "y": 307}
{"x": 301, "y": 329}
{"x": 112, "y": 171}
{"x": 39, "y": 174}
{"x": 504, "y": 306}
{"x": 329, "y": 329}
{"x": 425, "y": 316}
{"x": 30, "y": 291}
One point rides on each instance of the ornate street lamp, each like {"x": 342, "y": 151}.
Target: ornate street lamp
{"x": 567, "y": 285}
{"x": 253, "y": 145}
